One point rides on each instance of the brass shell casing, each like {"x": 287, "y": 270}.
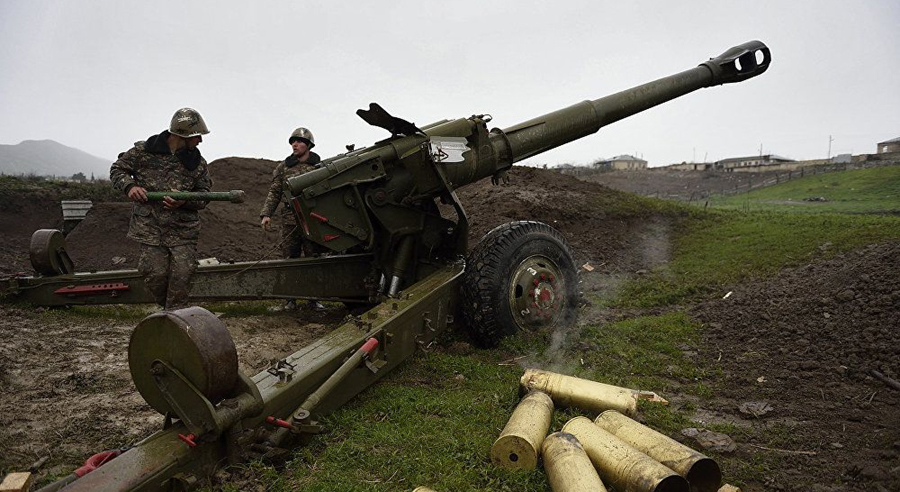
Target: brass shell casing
{"x": 423, "y": 489}
{"x": 622, "y": 466}
{"x": 567, "y": 465}
{"x": 701, "y": 472}
{"x": 519, "y": 444}
{"x": 568, "y": 391}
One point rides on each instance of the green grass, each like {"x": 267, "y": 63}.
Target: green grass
{"x": 99, "y": 191}
{"x": 875, "y": 190}
{"x": 727, "y": 247}
{"x": 433, "y": 420}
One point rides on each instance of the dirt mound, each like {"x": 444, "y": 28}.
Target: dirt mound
{"x": 231, "y": 232}
{"x": 20, "y": 216}
{"x": 806, "y": 342}
{"x": 587, "y": 214}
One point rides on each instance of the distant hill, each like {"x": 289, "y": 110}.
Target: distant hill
{"x": 47, "y": 157}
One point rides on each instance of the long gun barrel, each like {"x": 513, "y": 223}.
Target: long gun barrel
{"x": 352, "y": 198}
{"x": 565, "y": 125}
{"x": 233, "y": 196}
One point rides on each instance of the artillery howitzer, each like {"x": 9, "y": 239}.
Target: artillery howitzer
{"x": 376, "y": 207}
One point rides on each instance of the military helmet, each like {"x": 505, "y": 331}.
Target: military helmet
{"x": 187, "y": 123}
{"x": 303, "y": 134}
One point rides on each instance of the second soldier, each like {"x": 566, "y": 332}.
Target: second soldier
{"x": 301, "y": 160}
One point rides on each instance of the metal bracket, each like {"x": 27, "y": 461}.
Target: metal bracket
{"x": 283, "y": 370}
{"x": 197, "y": 413}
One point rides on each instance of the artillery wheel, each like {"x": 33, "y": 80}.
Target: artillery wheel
{"x": 520, "y": 276}
{"x": 48, "y": 253}
{"x": 193, "y": 341}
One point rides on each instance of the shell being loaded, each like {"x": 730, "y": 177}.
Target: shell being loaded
{"x": 622, "y": 466}
{"x": 567, "y": 465}
{"x": 233, "y": 196}
{"x": 519, "y": 443}
{"x": 568, "y": 391}
{"x": 701, "y": 472}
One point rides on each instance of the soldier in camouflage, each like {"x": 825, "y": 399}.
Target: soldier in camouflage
{"x": 301, "y": 160}
{"x": 167, "y": 231}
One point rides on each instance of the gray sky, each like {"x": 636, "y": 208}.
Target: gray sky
{"x": 99, "y": 75}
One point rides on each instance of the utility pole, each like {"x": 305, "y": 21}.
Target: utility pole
{"x": 760, "y": 149}
{"x": 829, "y": 146}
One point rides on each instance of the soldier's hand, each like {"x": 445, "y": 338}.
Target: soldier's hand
{"x": 265, "y": 223}
{"x": 171, "y": 203}
{"x": 137, "y": 194}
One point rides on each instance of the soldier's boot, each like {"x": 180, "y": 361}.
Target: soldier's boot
{"x": 289, "y": 305}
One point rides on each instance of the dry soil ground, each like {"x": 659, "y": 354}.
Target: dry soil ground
{"x": 803, "y": 341}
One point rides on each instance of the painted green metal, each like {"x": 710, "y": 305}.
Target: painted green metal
{"x": 48, "y": 253}
{"x": 233, "y": 196}
{"x": 333, "y": 278}
{"x": 194, "y": 342}
{"x": 402, "y": 327}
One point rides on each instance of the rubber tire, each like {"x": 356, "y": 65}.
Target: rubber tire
{"x": 488, "y": 276}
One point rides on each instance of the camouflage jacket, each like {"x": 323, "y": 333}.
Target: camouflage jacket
{"x": 151, "y": 165}
{"x": 278, "y": 192}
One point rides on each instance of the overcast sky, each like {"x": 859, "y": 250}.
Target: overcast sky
{"x": 100, "y": 75}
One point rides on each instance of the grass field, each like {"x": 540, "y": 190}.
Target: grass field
{"x": 432, "y": 422}
{"x": 875, "y": 190}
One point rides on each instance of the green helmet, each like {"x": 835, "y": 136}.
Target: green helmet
{"x": 187, "y": 123}
{"x": 303, "y": 134}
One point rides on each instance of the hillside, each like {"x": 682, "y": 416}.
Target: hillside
{"x": 232, "y": 232}
{"x": 874, "y": 190}
{"x": 50, "y": 158}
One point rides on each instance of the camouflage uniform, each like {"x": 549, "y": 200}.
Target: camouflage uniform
{"x": 168, "y": 237}
{"x": 293, "y": 242}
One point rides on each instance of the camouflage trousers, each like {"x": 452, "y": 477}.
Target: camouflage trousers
{"x": 294, "y": 244}
{"x": 167, "y": 273}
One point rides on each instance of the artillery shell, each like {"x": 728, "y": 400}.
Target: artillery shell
{"x": 567, "y": 465}
{"x": 701, "y": 472}
{"x": 568, "y": 391}
{"x": 622, "y": 466}
{"x": 519, "y": 444}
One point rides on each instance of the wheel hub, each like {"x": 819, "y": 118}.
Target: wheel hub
{"x": 535, "y": 292}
